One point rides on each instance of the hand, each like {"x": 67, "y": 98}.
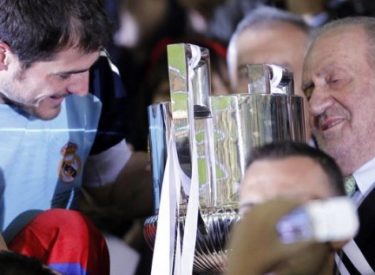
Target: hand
{"x": 255, "y": 247}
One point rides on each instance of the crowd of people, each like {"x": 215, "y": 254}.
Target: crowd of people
{"x": 76, "y": 77}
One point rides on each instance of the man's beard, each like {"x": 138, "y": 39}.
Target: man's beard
{"x": 21, "y": 105}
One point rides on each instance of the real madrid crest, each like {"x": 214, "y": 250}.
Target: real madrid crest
{"x": 70, "y": 165}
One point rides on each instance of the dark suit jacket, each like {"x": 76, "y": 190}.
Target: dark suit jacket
{"x": 365, "y": 238}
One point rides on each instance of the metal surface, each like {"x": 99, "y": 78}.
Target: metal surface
{"x": 189, "y": 80}
{"x": 159, "y": 119}
{"x": 210, "y": 253}
{"x": 225, "y": 130}
{"x": 269, "y": 79}
{"x": 245, "y": 121}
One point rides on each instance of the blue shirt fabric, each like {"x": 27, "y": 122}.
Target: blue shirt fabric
{"x": 41, "y": 162}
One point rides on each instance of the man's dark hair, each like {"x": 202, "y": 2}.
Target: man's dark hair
{"x": 35, "y": 30}
{"x": 12, "y": 263}
{"x": 282, "y": 150}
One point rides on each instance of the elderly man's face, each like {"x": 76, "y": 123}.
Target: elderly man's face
{"x": 338, "y": 79}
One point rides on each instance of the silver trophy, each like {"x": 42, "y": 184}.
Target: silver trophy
{"x": 226, "y": 129}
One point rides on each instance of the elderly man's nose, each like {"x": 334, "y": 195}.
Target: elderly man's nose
{"x": 319, "y": 102}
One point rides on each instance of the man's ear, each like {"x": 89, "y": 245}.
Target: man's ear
{"x": 4, "y": 51}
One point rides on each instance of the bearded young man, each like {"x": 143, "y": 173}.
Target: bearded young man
{"x": 48, "y": 124}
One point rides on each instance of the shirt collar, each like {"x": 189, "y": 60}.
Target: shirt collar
{"x": 365, "y": 176}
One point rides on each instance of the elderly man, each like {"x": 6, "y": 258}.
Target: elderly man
{"x": 338, "y": 81}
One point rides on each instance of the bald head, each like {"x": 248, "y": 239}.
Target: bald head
{"x": 267, "y": 35}
{"x": 272, "y": 36}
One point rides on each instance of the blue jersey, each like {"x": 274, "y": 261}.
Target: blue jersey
{"x": 41, "y": 161}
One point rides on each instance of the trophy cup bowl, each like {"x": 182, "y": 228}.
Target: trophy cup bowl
{"x": 225, "y": 129}
{"x": 238, "y": 128}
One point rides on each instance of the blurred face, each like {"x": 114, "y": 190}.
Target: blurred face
{"x": 337, "y": 80}
{"x": 268, "y": 44}
{"x": 296, "y": 178}
{"x": 40, "y": 89}
{"x": 293, "y": 177}
{"x": 139, "y": 19}
{"x": 282, "y": 44}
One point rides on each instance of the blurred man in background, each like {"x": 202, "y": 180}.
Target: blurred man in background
{"x": 297, "y": 173}
{"x": 268, "y": 35}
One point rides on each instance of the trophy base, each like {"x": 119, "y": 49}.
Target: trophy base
{"x": 212, "y": 235}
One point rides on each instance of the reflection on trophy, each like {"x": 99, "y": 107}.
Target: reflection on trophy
{"x": 216, "y": 134}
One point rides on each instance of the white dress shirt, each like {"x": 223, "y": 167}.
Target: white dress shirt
{"x": 365, "y": 178}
